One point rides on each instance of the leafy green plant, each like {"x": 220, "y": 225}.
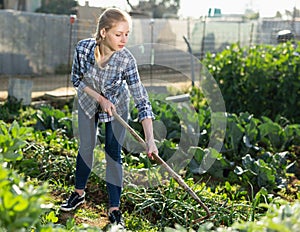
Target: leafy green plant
{"x": 261, "y": 76}
{"x": 51, "y": 118}
{"x": 49, "y": 156}
{"x": 166, "y": 205}
{"x": 12, "y": 140}
{"x": 278, "y": 137}
{"x": 10, "y": 109}
{"x": 213, "y": 163}
{"x": 257, "y": 172}
{"x": 21, "y": 203}
{"x": 256, "y": 154}
{"x": 269, "y": 171}
{"x": 282, "y": 216}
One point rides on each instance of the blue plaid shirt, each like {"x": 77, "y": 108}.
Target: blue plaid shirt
{"x": 116, "y": 81}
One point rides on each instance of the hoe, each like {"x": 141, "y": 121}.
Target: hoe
{"x": 160, "y": 161}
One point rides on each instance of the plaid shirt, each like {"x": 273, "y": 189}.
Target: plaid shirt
{"x": 116, "y": 81}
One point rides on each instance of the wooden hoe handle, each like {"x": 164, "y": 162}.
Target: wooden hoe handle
{"x": 159, "y": 160}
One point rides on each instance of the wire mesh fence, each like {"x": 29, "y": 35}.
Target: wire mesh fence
{"x": 36, "y": 50}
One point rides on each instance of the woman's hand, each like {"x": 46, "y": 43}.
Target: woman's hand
{"x": 151, "y": 149}
{"x": 149, "y": 138}
{"x": 106, "y": 105}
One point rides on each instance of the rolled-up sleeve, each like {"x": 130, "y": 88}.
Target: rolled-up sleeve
{"x": 76, "y": 74}
{"x": 138, "y": 92}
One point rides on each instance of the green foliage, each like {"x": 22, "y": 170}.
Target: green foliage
{"x": 54, "y": 119}
{"x": 255, "y": 151}
{"x": 50, "y": 156}
{"x": 23, "y": 206}
{"x": 279, "y": 217}
{"x": 254, "y": 162}
{"x": 165, "y": 204}
{"x": 139, "y": 224}
{"x": 66, "y": 7}
{"x": 166, "y": 113}
{"x": 214, "y": 163}
{"x": 159, "y": 9}
{"x": 178, "y": 228}
{"x": 12, "y": 140}
{"x": 10, "y": 109}
{"x": 257, "y": 79}
{"x": 197, "y": 98}
{"x": 21, "y": 203}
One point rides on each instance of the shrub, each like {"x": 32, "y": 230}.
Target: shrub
{"x": 260, "y": 79}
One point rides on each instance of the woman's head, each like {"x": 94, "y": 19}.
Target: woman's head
{"x": 109, "y": 19}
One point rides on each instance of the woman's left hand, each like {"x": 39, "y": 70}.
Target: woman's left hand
{"x": 151, "y": 149}
{"x": 149, "y": 138}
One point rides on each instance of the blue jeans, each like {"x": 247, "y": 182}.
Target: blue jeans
{"x": 114, "y": 137}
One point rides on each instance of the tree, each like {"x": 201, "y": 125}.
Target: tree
{"x": 66, "y": 7}
{"x": 158, "y": 8}
{"x": 278, "y": 14}
{"x": 21, "y": 5}
{"x": 251, "y": 14}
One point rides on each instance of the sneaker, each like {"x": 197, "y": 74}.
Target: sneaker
{"x": 115, "y": 217}
{"x": 73, "y": 202}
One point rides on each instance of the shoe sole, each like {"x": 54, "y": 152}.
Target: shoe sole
{"x": 117, "y": 227}
{"x": 70, "y": 209}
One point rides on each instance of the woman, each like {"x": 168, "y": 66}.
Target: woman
{"x": 104, "y": 72}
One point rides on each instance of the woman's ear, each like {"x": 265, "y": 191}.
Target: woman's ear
{"x": 103, "y": 33}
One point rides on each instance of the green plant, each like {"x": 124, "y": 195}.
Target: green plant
{"x": 51, "y": 118}
{"x": 12, "y": 140}
{"x": 282, "y": 216}
{"x": 21, "y": 203}
{"x": 49, "y": 156}
{"x": 261, "y": 76}
{"x": 10, "y": 109}
{"x": 251, "y": 155}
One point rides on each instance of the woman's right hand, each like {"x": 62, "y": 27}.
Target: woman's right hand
{"x": 106, "y": 105}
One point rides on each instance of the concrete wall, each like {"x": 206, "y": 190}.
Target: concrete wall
{"x": 32, "y": 43}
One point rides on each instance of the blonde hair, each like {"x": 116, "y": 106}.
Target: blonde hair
{"x": 108, "y": 19}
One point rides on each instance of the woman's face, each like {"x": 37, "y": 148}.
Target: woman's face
{"x": 117, "y": 37}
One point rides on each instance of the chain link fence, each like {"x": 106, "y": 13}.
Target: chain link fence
{"x": 36, "y": 50}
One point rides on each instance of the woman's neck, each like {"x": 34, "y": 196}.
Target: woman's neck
{"x": 103, "y": 55}
{"x": 105, "y": 51}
